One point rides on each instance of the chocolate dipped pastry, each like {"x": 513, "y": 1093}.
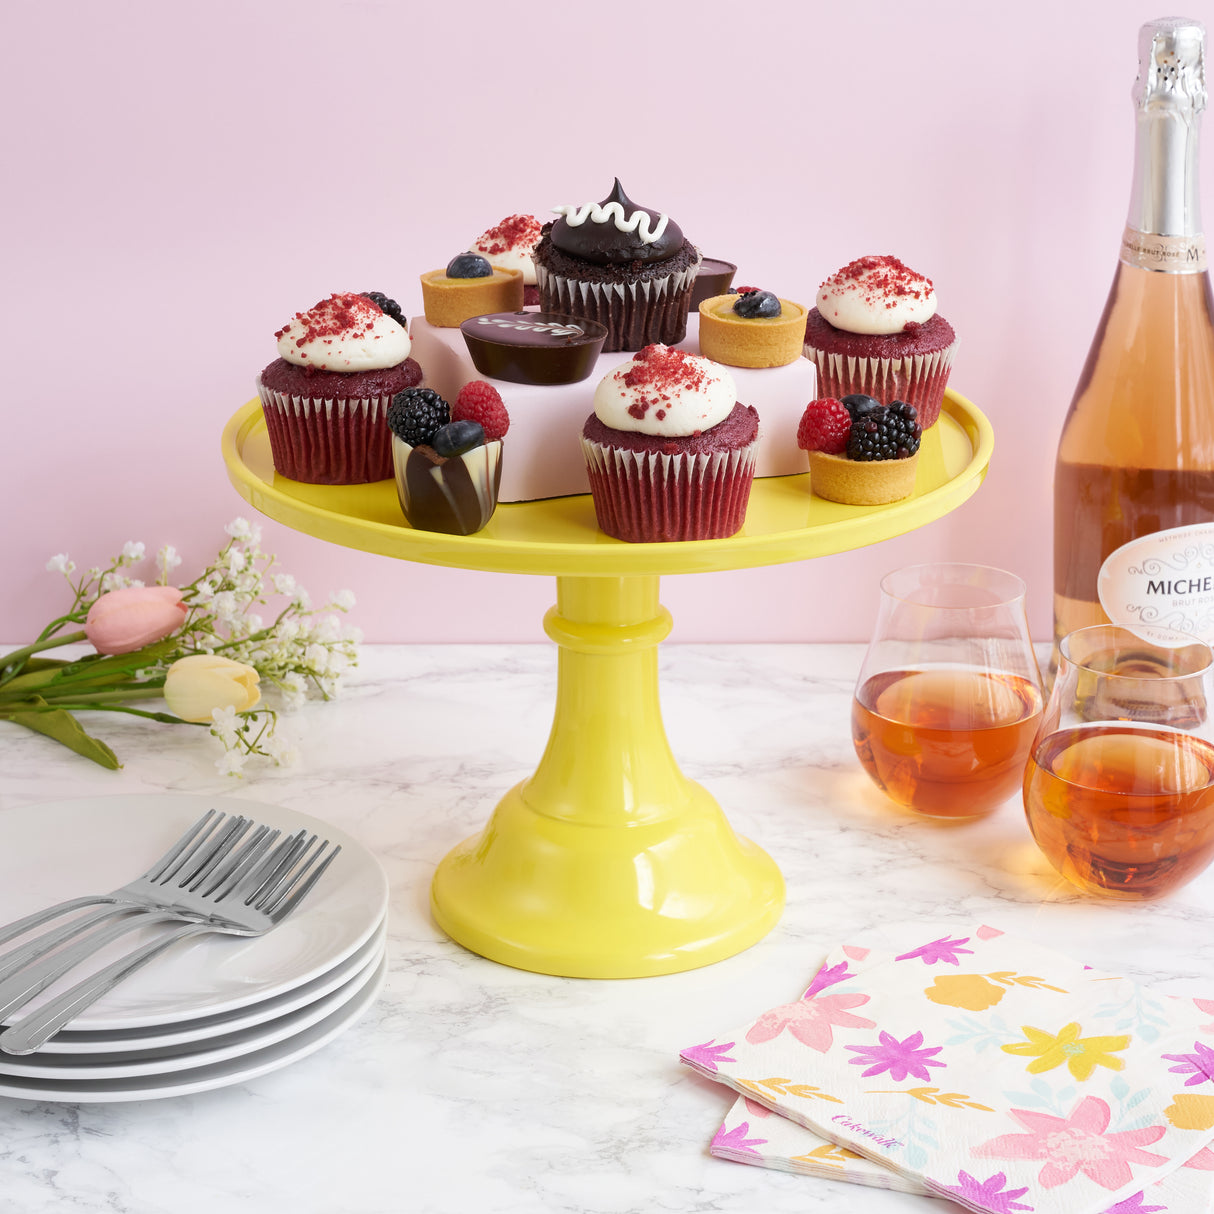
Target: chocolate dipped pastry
{"x": 447, "y": 474}
{"x": 469, "y": 286}
{"x": 534, "y": 347}
{"x": 623, "y": 265}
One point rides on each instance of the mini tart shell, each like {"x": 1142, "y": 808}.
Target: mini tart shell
{"x": 862, "y": 482}
{"x": 761, "y": 341}
{"x": 448, "y": 302}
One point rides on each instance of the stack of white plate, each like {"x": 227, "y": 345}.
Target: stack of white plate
{"x": 214, "y": 1010}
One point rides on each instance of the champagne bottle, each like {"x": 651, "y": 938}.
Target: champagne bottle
{"x": 1134, "y": 478}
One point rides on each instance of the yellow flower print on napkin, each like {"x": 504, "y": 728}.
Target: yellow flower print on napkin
{"x": 1082, "y": 1055}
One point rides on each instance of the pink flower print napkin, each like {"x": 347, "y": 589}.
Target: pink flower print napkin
{"x": 981, "y": 1056}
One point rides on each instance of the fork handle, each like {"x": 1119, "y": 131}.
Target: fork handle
{"x": 39, "y": 1026}
{"x": 18, "y": 990}
{"x": 17, "y": 958}
{"x": 10, "y": 931}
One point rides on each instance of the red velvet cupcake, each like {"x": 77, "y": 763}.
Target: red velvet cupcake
{"x": 670, "y": 452}
{"x": 875, "y": 331}
{"x": 509, "y": 246}
{"x": 325, "y": 400}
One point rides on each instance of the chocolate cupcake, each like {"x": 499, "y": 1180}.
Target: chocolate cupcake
{"x": 326, "y": 398}
{"x": 508, "y": 246}
{"x": 876, "y": 331}
{"x": 670, "y": 453}
{"x": 625, "y": 266}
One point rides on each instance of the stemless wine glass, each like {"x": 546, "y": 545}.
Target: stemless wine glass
{"x": 949, "y": 695}
{"x": 1119, "y": 790}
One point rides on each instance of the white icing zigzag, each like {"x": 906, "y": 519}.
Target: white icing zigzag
{"x": 638, "y": 221}
{"x": 535, "y": 326}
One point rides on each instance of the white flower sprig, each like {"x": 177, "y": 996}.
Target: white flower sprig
{"x": 302, "y": 651}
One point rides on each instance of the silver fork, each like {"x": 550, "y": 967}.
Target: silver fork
{"x": 184, "y": 866}
{"x": 251, "y": 902}
{"x": 37, "y": 966}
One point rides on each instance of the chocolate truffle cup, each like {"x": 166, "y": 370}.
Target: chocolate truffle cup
{"x": 456, "y": 496}
{"x": 330, "y": 427}
{"x": 912, "y": 366}
{"x": 655, "y": 489}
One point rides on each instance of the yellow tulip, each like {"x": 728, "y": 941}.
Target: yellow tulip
{"x": 195, "y": 686}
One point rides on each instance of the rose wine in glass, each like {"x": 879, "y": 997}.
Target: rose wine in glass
{"x": 949, "y": 743}
{"x": 1119, "y": 789}
{"x": 948, "y": 698}
{"x": 1134, "y": 478}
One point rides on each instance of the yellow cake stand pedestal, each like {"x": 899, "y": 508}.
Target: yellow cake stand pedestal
{"x": 608, "y": 862}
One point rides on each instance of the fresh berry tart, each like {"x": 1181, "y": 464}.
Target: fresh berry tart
{"x": 620, "y": 264}
{"x": 509, "y": 246}
{"x": 448, "y": 469}
{"x": 861, "y": 452}
{"x": 326, "y": 396}
{"x": 876, "y": 331}
{"x": 752, "y": 329}
{"x": 469, "y": 286}
{"x": 670, "y": 451}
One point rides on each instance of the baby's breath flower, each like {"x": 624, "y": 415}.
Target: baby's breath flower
{"x": 343, "y": 600}
{"x": 230, "y": 763}
{"x": 283, "y": 583}
{"x": 225, "y": 726}
{"x": 133, "y": 550}
{"x": 167, "y": 559}
{"x": 60, "y": 563}
{"x": 239, "y": 529}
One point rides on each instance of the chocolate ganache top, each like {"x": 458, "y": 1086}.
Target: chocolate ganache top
{"x": 615, "y": 230}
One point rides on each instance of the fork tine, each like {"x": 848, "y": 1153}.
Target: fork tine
{"x": 295, "y": 893}
{"x": 239, "y": 863}
{"x": 154, "y": 872}
{"x": 272, "y": 867}
{"x": 217, "y": 844}
{"x": 286, "y": 877}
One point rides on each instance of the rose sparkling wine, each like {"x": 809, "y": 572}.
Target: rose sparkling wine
{"x": 1123, "y": 811}
{"x": 1134, "y": 479}
{"x": 949, "y": 743}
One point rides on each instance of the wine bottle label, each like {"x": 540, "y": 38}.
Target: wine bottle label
{"x": 1164, "y": 580}
{"x": 1167, "y": 254}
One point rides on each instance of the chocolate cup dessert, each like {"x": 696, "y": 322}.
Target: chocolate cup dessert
{"x": 534, "y": 347}
{"x": 715, "y": 278}
{"x": 455, "y": 495}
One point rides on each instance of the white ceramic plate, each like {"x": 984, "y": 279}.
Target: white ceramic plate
{"x": 52, "y": 852}
{"x": 132, "y": 1063}
{"x": 203, "y": 1078}
{"x": 87, "y": 1047}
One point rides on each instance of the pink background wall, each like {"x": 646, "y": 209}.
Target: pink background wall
{"x": 184, "y": 178}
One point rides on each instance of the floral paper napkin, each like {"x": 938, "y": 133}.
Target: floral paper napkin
{"x": 982, "y": 1068}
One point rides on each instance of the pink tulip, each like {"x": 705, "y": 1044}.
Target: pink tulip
{"x": 122, "y": 621}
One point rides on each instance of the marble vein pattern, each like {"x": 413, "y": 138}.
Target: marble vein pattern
{"x": 474, "y": 1087}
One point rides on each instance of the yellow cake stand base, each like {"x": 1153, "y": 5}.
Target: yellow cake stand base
{"x": 608, "y": 862}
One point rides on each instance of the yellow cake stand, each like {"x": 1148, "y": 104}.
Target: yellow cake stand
{"x": 608, "y": 862}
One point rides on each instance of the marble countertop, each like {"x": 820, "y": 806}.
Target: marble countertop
{"x": 474, "y": 1087}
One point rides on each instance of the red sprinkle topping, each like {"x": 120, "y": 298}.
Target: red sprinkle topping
{"x": 514, "y": 232}
{"x": 883, "y": 280}
{"x": 662, "y": 374}
{"x": 337, "y": 316}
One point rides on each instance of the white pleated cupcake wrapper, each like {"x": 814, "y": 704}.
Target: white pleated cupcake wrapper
{"x": 670, "y": 497}
{"x": 919, "y": 380}
{"x": 310, "y": 436}
{"x": 635, "y": 313}
{"x": 602, "y": 293}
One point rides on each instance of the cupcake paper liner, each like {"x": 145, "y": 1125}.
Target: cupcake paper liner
{"x": 328, "y": 442}
{"x": 919, "y": 380}
{"x": 647, "y": 497}
{"x": 636, "y": 314}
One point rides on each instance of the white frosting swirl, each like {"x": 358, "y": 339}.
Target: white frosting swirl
{"x": 639, "y": 221}
{"x": 666, "y": 392}
{"x": 344, "y": 333}
{"x": 876, "y": 295}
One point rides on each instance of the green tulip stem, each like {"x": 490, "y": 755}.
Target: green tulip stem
{"x": 11, "y": 664}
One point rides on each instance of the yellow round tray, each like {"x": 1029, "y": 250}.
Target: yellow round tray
{"x": 608, "y": 862}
